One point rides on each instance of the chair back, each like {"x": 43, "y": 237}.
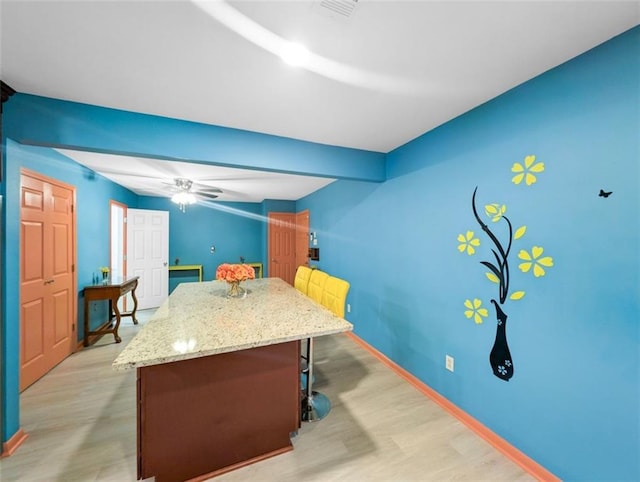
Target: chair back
{"x": 334, "y": 296}
{"x": 301, "y": 281}
{"x": 316, "y": 285}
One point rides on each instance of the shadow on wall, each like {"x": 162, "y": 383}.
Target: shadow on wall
{"x": 334, "y": 198}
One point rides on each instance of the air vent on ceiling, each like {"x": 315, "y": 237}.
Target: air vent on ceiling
{"x": 342, "y": 8}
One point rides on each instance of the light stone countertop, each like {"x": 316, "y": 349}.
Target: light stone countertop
{"x": 198, "y": 320}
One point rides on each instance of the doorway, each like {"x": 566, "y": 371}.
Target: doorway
{"x": 288, "y": 243}
{"x": 148, "y": 255}
{"x": 282, "y": 245}
{"x": 47, "y": 275}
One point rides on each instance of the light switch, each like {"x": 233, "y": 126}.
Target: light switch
{"x": 448, "y": 362}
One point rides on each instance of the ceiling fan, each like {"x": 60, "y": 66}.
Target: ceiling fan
{"x": 187, "y": 192}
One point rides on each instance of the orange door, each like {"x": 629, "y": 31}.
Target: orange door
{"x": 47, "y": 285}
{"x": 282, "y": 246}
{"x": 302, "y": 238}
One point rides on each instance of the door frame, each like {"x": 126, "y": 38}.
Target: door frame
{"x": 302, "y": 252}
{"x": 73, "y": 326}
{"x": 123, "y": 248}
{"x": 124, "y": 207}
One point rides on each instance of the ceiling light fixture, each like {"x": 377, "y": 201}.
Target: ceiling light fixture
{"x": 182, "y": 199}
{"x": 295, "y": 54}
{"x": 224, "y": 13}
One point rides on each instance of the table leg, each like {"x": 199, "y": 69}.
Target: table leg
{"x": 135, "y": 304}
{"x": 86, "y": 322}
{"x": 115, "y": 328}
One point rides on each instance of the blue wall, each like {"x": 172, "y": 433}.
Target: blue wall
{"x": 235, "y": 229}
{"x": 58, "y": 123}
{"x": 573, "y": 404}
{"x": 93, "y": 193}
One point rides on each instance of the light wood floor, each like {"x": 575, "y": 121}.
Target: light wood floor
{"x": 81, "y": 424}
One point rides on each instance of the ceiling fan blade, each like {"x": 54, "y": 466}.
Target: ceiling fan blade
{"x": 230, "y": 178}
{"x": 204, "y": 187}
{"x": 206, "y": 195}
{"x": 210, "y": 190}
{"x": 170, "y": 184}
{"x": 113, "y": 172}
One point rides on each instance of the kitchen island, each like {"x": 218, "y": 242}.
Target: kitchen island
{"x": 219, "y": 378}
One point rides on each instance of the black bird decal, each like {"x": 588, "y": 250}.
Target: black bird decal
{"x": 604, "y": 194}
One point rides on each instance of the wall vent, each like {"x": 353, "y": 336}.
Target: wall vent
{"x": 339, "y": 8}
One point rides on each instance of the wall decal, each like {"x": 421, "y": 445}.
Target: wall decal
{"x": 533, "y": 261}
{"x": 605, "y": 194}
{"x": 527, "y": 170}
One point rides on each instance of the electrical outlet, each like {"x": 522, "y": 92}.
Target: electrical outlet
{"x": 448, "y": 362}
{"x": 348, "y": 308}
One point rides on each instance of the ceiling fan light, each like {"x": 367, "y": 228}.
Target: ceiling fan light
{"x": 183, "y": 198}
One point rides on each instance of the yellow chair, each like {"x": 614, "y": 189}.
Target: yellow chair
{"x": 332, "y": 293}
{"x": 334, "y": 296}
{"x": 315, "y": 288}
{"x": 316, "y": 285}
{"x": 301, "y": 281}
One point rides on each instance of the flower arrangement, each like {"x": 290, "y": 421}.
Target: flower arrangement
{"x": 234, "y": 274}
{"x": 105, "y": 272}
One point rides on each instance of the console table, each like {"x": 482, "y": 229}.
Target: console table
{"x": 111, "y": 290}
{"x": 257, "y": 268}
{"x": 188, "y": 267}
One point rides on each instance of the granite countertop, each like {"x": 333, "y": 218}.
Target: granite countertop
{"x": 199, "y": 320}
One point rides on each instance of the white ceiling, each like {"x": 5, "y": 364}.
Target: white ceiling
{"x": 153, "y": 177}
{"x": 378, "y": 78}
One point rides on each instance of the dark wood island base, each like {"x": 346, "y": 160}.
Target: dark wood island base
{"x": 218, "y": 378}
{"x": 202, "y": 417}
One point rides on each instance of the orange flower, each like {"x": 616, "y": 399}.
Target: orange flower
{"x": 234, "y": 272}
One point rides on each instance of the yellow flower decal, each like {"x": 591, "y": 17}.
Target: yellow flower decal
{"x": 468, "y": 243}
{"x": 475, "y": 310}
{"x": 527, "y": 171}
{"x": 495, "y": 211}
{"x": 520, "y": 232}
{"x": 534, "y": 260}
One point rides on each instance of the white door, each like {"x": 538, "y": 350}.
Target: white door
{"x": 148, "y": 255}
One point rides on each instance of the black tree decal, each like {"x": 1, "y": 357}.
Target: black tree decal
{"x": 531, "y": 261}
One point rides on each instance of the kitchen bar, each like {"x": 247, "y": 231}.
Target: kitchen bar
{"x": 219, "y": 378}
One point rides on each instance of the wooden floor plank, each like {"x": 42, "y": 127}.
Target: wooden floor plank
{"x": 81, "y": 424}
